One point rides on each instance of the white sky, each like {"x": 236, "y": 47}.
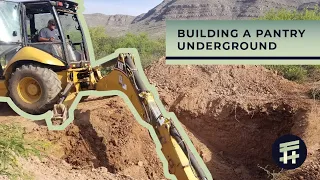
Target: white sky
{"x": 127, "y": 7}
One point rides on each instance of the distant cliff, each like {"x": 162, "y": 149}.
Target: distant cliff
{"x": 153, "y": 22}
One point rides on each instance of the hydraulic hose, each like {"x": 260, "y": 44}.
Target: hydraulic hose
{"x": 175, "y": 134}
{"x": 173, "y": 131}
{"x": 135, "y": 72}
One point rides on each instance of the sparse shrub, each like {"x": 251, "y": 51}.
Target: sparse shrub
{"x": 12, "y": 146}
{"x": 149, "y": 49}
{"x": 285, "y": 14}
{"x": 314, "y": 92}
{"x": 291, "y": 72}
{"x": 295, "y": 72}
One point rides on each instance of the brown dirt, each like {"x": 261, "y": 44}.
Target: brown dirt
{"x": 237, "y": 112}
{"x": 52, "y": 168}
{"x": 232, "y": 114}
{"x": 104, "y": 135}
{"x": 126, "y": 145}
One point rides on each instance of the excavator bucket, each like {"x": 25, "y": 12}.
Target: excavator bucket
{"x": 60, "y": 112}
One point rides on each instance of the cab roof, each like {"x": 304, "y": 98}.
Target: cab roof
{"x": 71, "y": 2}
{"x": 39, "y": 6}
{"x": 31, "y": 1}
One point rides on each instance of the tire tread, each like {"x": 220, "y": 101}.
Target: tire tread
{"x": 50, "y": 80}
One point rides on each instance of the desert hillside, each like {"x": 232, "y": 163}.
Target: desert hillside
{"x": 153, "y": 21}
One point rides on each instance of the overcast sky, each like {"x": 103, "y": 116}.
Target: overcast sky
{"x": 127, "y": 7}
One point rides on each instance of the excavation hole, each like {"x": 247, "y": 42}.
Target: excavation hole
{"x": 242, "y": 138}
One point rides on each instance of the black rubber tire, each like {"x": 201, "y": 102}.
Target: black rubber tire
{"x": 48, "y": 81}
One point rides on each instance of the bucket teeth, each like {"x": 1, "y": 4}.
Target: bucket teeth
{"x": 60, "y": 112}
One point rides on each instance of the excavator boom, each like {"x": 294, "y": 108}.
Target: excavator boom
{"x": 125, "y": 77}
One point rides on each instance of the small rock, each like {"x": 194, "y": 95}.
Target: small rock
{"x": 37, "y": 128}
{"x": 44, "y": 160}
{"x": 140, "y": 163}
{"x": 114, "y": 142}
{"x": 301, "y": 177}
{"x": 36, "y": 159}
{"x": 263, "y": 109}
{"x": 221, "y": 153}
{"x": 235, "y": 88}
{"x": 238, "y": 170}
{"x": 64, "y": 163}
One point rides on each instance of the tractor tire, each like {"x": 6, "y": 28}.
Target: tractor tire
{"x": 34, "y": 89}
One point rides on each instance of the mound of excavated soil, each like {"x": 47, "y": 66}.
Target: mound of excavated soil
{"x": 246, "y": 85}
{"x": 104, "y": 138}
{"x": 237, "y": 112}
{"x": 115, "y": 136}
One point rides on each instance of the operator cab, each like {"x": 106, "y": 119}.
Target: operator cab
{"x": 21, "y": 22}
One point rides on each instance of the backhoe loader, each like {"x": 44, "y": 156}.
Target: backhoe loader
{"x": 38, "y": 79}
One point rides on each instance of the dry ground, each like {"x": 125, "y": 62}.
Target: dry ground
{"x": 232, "y": 114}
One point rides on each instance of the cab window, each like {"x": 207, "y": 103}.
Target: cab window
{"x": 10, "y": 22}
{"x": 10, "y": 31}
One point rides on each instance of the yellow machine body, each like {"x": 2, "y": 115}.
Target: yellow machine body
{"x": 27, "y": 54}
{"x": 32, "y": 54}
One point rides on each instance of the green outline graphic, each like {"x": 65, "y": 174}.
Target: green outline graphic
{"x": 47, "y": 116}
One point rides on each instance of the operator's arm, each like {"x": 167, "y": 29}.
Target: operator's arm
{"x": 41, "y": 39}
{"x": 43, "y": 36}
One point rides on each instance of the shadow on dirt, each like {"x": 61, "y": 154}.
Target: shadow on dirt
{"x": 242, "y": 140}
{"x": 94, "y": 143}
{"x": 5, "y": 110}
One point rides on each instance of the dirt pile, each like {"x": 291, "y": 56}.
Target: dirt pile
{"x": 126, "y": 145}
{"x": 104, "y": 138}
{"x": 51, "y": 168}
{"x": 246, "y": 85}
{"x": 237, "y": 112}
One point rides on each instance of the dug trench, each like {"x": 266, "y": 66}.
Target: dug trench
{"x": 240, "y": 141}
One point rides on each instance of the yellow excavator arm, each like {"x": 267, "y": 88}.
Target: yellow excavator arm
{"x": 125, "y": 77}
